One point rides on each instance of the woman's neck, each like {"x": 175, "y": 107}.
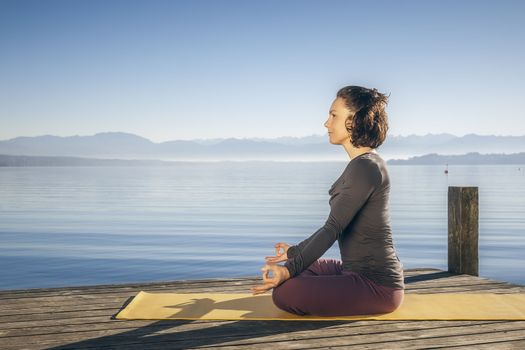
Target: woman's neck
{"x": 357, "y": 151}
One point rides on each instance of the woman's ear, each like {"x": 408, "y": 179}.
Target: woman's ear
{"x": 348, "y": 123}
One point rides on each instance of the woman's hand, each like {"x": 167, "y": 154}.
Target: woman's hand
{"x": 280, "y": 274}
{"x": 278, "y": 255}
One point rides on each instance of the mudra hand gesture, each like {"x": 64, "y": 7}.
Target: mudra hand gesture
{"x": 278, "y": 255}
{"x": 280, "y": 273}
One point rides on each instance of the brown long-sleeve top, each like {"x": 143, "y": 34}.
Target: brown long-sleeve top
{"x": 359, "y": 220}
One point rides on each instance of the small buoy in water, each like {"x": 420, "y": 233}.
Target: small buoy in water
{"x": 446, "y": 170}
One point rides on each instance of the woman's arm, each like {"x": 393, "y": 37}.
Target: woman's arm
{"x": 344, "y": 204}
{"x": 295, "y": 249}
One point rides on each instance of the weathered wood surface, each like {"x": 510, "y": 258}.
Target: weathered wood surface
{"x": 463, "y": 230}
{"x": 80, "y": 318}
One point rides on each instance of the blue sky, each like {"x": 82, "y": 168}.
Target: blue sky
{"x": 189, "y": 69}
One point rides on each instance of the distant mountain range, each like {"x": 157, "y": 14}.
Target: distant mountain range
{"x": 413, "y": 149}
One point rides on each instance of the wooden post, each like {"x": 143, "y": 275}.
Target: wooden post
{"x": 463, "y": 230}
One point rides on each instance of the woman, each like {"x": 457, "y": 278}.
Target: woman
{"x": 369, "y": 277}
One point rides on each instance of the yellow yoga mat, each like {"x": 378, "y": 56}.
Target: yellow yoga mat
{"x": 245, "y": 306}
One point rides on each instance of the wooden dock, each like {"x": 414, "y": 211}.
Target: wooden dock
{"x": 81, "y": 318}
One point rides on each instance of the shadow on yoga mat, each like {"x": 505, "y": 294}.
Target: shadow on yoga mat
{"x": 245, "y": 306}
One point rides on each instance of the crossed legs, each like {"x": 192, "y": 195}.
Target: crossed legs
{"x": 325, "y": 289}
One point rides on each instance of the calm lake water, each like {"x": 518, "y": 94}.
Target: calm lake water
{"x": 68, "y": 226}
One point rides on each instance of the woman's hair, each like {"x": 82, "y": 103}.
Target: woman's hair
{"x": 369, "y": 125}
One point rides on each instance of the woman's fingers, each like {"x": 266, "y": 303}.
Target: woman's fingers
{"x": 266, "y": 277}
{"x": 265, "y": 272}
{"x": 273, "y": 259}
{"x": 261, "y": 288}
{"x": 268, "y": 282}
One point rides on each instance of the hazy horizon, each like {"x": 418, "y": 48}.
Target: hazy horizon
{"x": 269, "y": 138}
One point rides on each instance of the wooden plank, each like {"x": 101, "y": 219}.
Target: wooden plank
{"x": 463, "y": 231}
{"x": 80, "y": 318}
{"x": 250, "y": 334}
{"x": 129, "y": 324}
{"x": 56, "y": 309}
{"x": 489, "y": 345}
{"x": 76, "y": 301}
{"x": 90, "y": 298}
{"x": 108, "y": 288}
{"x": 56, "y": 306}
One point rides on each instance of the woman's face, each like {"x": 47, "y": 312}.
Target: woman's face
{"x": 336, "y": 123}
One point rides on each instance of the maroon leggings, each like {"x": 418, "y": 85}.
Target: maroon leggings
{"x": 325, "y": 289}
